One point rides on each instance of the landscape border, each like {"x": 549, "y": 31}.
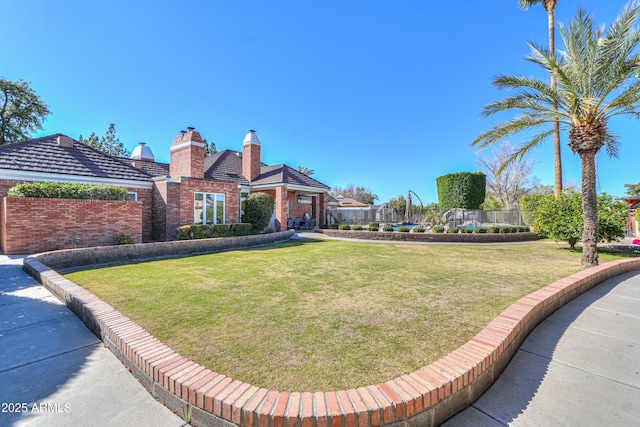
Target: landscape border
{"x": 425, "y": 397}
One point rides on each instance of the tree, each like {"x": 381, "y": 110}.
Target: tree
{"x": 549, "y": 6}
{"x": 561, "y": 218}
{"x": 209, "y": 148}
{"x": 596, "y": 80}
{"x": 306, "y": 170}
{"x": 509, "y": 183}
{"x": 22, "y": 112}
{"x": 633, "y": 189}
{"x": 399, "y": 204}
{"x": 108, "y": 144}
{"x": 359, "y": 193}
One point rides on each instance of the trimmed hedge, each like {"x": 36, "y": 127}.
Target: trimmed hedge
{"x": 344, "y": 227}
{"x": 387, "y": 228}
{"x": 403, "y": 229}
{"x": 461, "y": 190}
{"x": 452, "y": 230}
{"x": 417, "y": 230}
{"x": 357, "y": 228}
{"x": 58, "y": 190}
{"x": 373, "y": 228}
{"x": 258, "y": 209}
{"x": 207, "y": 231}
{"x": 438, "y": 229}
{"x": 123, "y": 239}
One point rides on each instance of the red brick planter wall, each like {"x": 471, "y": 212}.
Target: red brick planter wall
{"x": 425, "y": 397}
{"x": 31, "y": 225}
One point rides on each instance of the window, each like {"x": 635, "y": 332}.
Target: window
{"x": 132, "y": 196}
{"x": 209, "y": 208}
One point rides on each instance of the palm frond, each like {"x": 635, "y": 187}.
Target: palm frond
{"x": 611, "y": 144}
{"x": 508, "y": 128}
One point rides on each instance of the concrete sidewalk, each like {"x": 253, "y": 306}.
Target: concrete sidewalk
{"x": 579, "y": 367}
{"x": 55, "y": 372}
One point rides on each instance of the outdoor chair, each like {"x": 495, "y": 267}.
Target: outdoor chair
{"x": 305, "y": 224}
{"x": 312, "y": 224}
{"x": 296, "y": 223}
{"x": 289, "y": 224}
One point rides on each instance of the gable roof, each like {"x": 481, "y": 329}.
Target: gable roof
{"x": 226, "y": 166}
{"x": 46, "y": 156}
{"x": 347, "y": 202}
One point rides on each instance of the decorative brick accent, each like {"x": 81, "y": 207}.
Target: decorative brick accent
{"x": 425, "y": 397}
{"x": 32, "y": 225}
{"x": 187, "y": 156}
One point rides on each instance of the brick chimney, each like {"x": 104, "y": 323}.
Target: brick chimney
{"x": 251, "y": 156}
{"x": 187, "y": 156}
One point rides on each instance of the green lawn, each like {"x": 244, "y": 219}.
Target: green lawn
{"x": 326, "y": 315}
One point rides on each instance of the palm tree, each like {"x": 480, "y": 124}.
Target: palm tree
{"x": 596, "y": 80}
{"x": 305, "y": 170}
{"x": 549, "y": 6}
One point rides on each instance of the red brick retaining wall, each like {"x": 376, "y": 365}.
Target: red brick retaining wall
{"x": 425, "y": 397}
{"x": 31, "y": 225}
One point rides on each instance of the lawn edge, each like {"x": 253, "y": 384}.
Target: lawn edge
{"x": 426, "y": 397}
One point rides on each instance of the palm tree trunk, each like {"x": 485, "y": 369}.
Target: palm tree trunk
{"x": 589, "y": 208}
{"x": 557, "y": 160}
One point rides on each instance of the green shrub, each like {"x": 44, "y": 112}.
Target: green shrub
{"x": 183, "y": 232}
{"x": 123, "y": 239}
{"x": 387, "y": 228}
{"x": 241, "y": 229}
{"x": 438, "y": 229}
{"x": 357, "y": 228}
{"x": 461, "y": 190}
{"x": 466, "y": 230}
{"x": 493, "y": 230}
{"x": 258, "y": 210}
{"x": 403, "y": 229}
{"x": 58, "y": 190}
{"x": 452, "y": 230}
{"x": 334, "y": 226}
{"x": 374, "y": 224}
{"x": 507, "y": 229}
{"x": 417, "y": 230}
{"x": 530, "y": 203}
{"x": 371, "y": 228}
{"x": 480, "y": 230}
{"x": 324, "y": 227}
{"x": 524, "y": 229}
{"x": 344, "y": 227}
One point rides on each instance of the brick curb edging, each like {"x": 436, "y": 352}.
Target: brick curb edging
{"x": 426, "y": 397}
{"x": 432, "y": 237}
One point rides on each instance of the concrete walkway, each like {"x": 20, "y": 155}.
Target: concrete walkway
{"x": 55, "y": 372}
{"x": 579, "y": 367}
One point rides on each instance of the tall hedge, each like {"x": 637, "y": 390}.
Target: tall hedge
{"x": 258, "y": 210}
{"x": 461, "y": 190}
{"x": 58, "y": 190}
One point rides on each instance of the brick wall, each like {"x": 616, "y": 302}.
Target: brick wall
{"x": 31, "y": 225}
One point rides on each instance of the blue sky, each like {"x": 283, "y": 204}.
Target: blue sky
{"x": 385, "y": 94}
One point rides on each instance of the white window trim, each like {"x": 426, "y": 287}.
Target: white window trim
{"x": 215, "y": 207}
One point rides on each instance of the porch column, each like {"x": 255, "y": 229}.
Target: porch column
{"x": 320, "y": 205}
{"x": 281, "y": 208}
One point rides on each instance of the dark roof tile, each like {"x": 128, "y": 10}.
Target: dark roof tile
{"x": 45, "y": 155}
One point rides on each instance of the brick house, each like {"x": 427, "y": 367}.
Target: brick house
{"x": 190, "y": 189}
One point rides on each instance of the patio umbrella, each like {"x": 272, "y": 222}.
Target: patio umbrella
{"x": 409, "y": 213}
